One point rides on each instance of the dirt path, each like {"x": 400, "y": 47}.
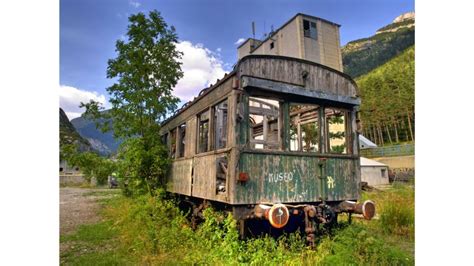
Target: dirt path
{"x": 79, "y": 206}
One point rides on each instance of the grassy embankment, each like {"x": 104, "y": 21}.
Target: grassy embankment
{"x": 152, "y": 231}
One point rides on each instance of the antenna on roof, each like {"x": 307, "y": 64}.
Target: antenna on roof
{"x": 253, "y": 29}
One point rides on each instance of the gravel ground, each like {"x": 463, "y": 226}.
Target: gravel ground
{"x": 79, "y": 206}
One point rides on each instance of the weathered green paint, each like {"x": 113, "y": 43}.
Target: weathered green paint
{"x": 291, "y": 179}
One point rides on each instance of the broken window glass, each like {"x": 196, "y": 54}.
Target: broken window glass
{"x": 264, "y": 124}
{"x": 203, "y": 132}
{"x": 304, "y": 128}
{"x": 182, "y": 140}
{"x": 220, "y": 125}
{"x": 336, "y": 130}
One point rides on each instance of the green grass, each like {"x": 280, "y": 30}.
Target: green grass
{"x": 95, "y": 244}
{"x": 151, "y": 230}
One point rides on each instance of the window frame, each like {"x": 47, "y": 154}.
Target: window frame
{"x": 180, "y": 141}
{"x": 213, "y": 127}
{"x": 347, "y": 131}
{"x": 299, "y": 132}
{"x": 312, "y": 31}
{"x": 265, "y": 125}
{"x": 198, "y": 124}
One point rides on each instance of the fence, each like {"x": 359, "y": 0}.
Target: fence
{"x": 395, "y": 150}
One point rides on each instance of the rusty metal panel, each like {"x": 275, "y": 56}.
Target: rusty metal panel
{"x": 291, "y": 179}
{"x": 179, "y": 180}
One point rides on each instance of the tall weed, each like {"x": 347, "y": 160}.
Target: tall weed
{"x": 396, "y": 209}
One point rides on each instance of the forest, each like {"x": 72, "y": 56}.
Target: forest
{"x": 388, "y": 100}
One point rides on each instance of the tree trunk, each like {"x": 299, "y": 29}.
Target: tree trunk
{"x": 388, "y": 134}
{"x": 380, "y": 134}
{"x": 409, "y": 126}
{"x": 376, "y": 140}
{"x": 396, "y": 132}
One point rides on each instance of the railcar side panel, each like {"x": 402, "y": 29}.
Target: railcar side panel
{"x": 204, "y": 178}
{"x": 295, "y": 179}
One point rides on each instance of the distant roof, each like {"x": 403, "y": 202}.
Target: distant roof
{"x": 368, "y": 162}
{"x": 365, "y": 143}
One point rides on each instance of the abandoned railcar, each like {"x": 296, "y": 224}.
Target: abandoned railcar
{"x": 277, "y": 138}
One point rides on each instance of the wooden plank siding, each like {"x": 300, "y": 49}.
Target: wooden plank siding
{"x": 191, "y": 134}
{"x": 204, "y": 178}
{"x": 179, "y": 180}
{"x": 290, "y": 70}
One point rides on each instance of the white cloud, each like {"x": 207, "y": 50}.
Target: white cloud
{"x": 135, "y": 4}
{"x": 201, "y": 67}
{"x": 70, "y": 98}
{"x": 219, "y": 50}
{"x": 239, "y": 41}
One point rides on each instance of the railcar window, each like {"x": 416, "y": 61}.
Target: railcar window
{"x": 220, "y": 125}
{"x": 182, "y": 140}
{"x": 336, "y": 130}
{"x": 173, "y": 143}
{"x": 203, "y": 132}
{"x": 304, "y": 128}
{"x": 264, "y": 124}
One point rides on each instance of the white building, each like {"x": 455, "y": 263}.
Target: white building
{"x": 373, "y": 172}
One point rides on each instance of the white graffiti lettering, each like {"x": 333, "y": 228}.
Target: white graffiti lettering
{"x": 330, "y": 182}
{"x": 280, "y": 177}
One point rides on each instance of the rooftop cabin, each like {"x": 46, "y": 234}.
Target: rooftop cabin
{"x": 305, "y": 37}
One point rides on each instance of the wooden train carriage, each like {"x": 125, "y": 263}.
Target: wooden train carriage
{"x": 276, "y": 130}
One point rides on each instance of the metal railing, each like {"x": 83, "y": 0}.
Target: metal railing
{"x": 387, "y": 151}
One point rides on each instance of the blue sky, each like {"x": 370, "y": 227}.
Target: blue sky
{"x": 208, "y": 31}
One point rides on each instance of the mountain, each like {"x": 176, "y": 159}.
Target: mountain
{"x": 361, "y": 56}
{"x": 69, "y": 135}
{"x": 105, "y": 143}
